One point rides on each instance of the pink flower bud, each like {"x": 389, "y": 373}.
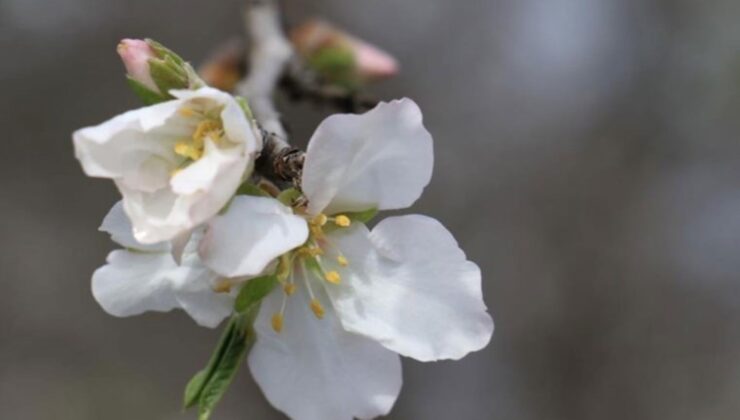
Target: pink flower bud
{"x": 371, "y": 62}
{"x": 136, "y": 54}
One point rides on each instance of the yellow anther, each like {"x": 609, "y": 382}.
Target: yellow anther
{"x": 333, "y": 277}
{"x": 321, "y": 219}
{"x": 317, "y": 309}
{"x": 289, "y": 288}
{"x": 186, "y": 112}
{"x": 342, "y": 221}
{"x": 222, "y": 286}
{"x": 187, "y": 150}
{"x": 205, "y": 128}
{"x": 277, "y": 322}
{"x": 342, "y": 261}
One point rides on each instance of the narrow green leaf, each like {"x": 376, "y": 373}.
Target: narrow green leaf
{"x": 147, "y": 96}
{"x": 251, "y": 189}
{"x": 289, "y": 196}
{"x": 195, "y": 387}
{"x": 253, "y": 291}
{"x": 239, "y": 342}
{"x": 163, "y": 51}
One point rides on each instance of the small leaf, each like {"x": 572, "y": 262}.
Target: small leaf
{"x": 240, "y": 341}
{"x": 251, "y": 189}
{"x": 147, "y": 96}
{"x": 288, "y": 197}
{"x": 254, "y": 291}
{"x": 196, "y": 385}
{"x": 164, "y": 52}
{"x": 194, "y": 388}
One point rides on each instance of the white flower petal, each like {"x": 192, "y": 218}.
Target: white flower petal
{"x": 132, "y": 283}
{"x": 195, "y": 294}
{"x": 410, "y": 287}
{"x": 117, "y": 224}
{"x": 315, "y": 370}
{"x": 381, "y": 159}
{"x": 135, "y": 146}
{"x": 249, "y": 235}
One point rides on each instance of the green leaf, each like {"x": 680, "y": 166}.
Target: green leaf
{"x": 194, "y": 388}
{"x": 209, "y": 385}
{"x": 240, "y": 340}
{"x": 362, "y": 216}
{"x": 251, "y": 189}
{"x": 254, "y": 291}
{"x": 288, "y": 197}
{"x": 147, "y": 96}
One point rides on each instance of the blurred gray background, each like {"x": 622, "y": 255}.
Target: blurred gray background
{"x": 587, "y": 157}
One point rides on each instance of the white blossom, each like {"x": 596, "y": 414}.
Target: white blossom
{"x": 404, "y": 287}
{"x": 144, "y": 278}
{"x": 176, "y": 163}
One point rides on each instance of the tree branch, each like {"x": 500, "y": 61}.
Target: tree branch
{"x": 270, "y": 52}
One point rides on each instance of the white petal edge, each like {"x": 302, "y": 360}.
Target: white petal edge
{"x": 315, "y": 370}
{"x": 249, "y": 235}
{"x": 381, "y": 159}
{"x": 117, "y": 224}
{"x": 410, "y": 287}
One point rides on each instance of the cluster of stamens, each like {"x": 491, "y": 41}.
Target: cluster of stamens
{"x": 209, "y": 127}
{"x": 311, "y": 260}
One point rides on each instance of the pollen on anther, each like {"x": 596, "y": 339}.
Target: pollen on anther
{"x": 321, "y": 219}
{"x": 186, "y": 112}
{"x": 317, "y": 309}
{"x": 342, "y": 261}
{"x": 289, "y": 288}
{"x": 333, "y": 277}
{"x": 342, "y": 221}
{"x": 277, "y": 322}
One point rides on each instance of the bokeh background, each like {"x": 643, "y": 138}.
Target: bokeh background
{"x": 587, "y": 157}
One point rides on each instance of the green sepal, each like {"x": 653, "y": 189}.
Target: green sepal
{"x": 167, "y": 75}
{"x": 248, "y": 188}
{"x": 288, "y": 197}
{"x": 162, "y": 52}
{"x": 242, "y": 101}
{"x": 146, "y": 95}
{"x": 254, "y": 291}
{"x": 364, "y": 216}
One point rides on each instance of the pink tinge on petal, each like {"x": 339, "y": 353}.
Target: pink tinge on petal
{"x": 135, "y": 54}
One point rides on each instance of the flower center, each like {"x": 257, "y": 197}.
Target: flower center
{"x": 208, "y": 127}
{"x": 318, "y": 258}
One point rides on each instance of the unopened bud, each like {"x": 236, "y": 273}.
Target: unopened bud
{"x": 340, "y": 57}
{"x": 153, "y": 70}
{"x": 136, "y": 54}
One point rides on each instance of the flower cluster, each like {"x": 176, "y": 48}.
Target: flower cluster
{"x": 342, "y": 301}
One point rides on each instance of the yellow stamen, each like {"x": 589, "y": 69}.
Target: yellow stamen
{"x": 333, "y": 277}
{"x": 321, "y": 219}
{"x": 289, "y": 288}
{"x": 317, "y": 309}
{"x": 222, "y": 286}
{"x": 186, "y": 112}
{"x": 187, "y": 150}
{"x": 342, "y": 221}
{"x": 342, "y": 261}
{"x": 277, "y": 322}
{"x": 205, "y": 128}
